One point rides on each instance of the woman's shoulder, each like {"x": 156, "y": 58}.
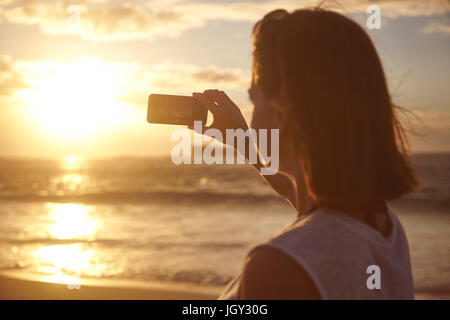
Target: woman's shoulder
{"x": 272, "y": 269}
{"x": 272, "y": 274}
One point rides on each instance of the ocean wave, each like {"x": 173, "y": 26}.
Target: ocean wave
{"x": 205, "y": 277}
{"x": 145, "y": 245}
{"x": 199, "y": 198}
{"x": 53, "y": 241}
{"x": 170, "y": 197}
{"x": 199, "y": 277}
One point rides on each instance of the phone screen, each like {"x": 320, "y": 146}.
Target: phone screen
{"x": 172, "y": 109}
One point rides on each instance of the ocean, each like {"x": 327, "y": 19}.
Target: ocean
{"x": 150, "y": 220}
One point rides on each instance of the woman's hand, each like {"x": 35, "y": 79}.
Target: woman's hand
{"x": 225, "y": 112}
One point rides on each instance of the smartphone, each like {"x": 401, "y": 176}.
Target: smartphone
{"x": 172, "y": 109}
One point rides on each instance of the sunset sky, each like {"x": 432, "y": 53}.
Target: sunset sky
{"x": 75, "y": 75}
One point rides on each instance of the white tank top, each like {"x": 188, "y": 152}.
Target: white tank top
{"x": 336, "y": 251}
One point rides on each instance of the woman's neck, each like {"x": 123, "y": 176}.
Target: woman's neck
{"x": 304, "y": 202}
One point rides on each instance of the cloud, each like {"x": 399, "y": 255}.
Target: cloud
{"x": 109, "y": 20}
{"x": 112, "y": 20}
{"x": 129, "y": 82}
{"x": 175, "y": 76}
{"x": 437, "y": 27}
{"x": 10, "y": 77}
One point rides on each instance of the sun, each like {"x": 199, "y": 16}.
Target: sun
{"x": 76, "y": 100}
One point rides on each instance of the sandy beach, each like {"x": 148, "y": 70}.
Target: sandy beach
{"x": 18, "y": 286}
{"x": 23, "y": 286}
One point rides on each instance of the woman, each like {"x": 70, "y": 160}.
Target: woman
{"x": 318, "y": 79}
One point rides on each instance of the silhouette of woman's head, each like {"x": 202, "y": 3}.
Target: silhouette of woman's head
{"x": 317, "y": 76}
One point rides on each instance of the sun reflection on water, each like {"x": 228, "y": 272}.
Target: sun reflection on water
{"x": 71, "y": 221}
{"x": 72, "y": 162}
{"x": 64, "y": 263}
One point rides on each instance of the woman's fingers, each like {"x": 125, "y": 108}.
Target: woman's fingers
{"x": 212, "y": 93}
{"x": 217, "y": 96}
{"x": 226, "y": 114}
{"x": 206, "y": 102}
{"x": 224, "y": 102}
